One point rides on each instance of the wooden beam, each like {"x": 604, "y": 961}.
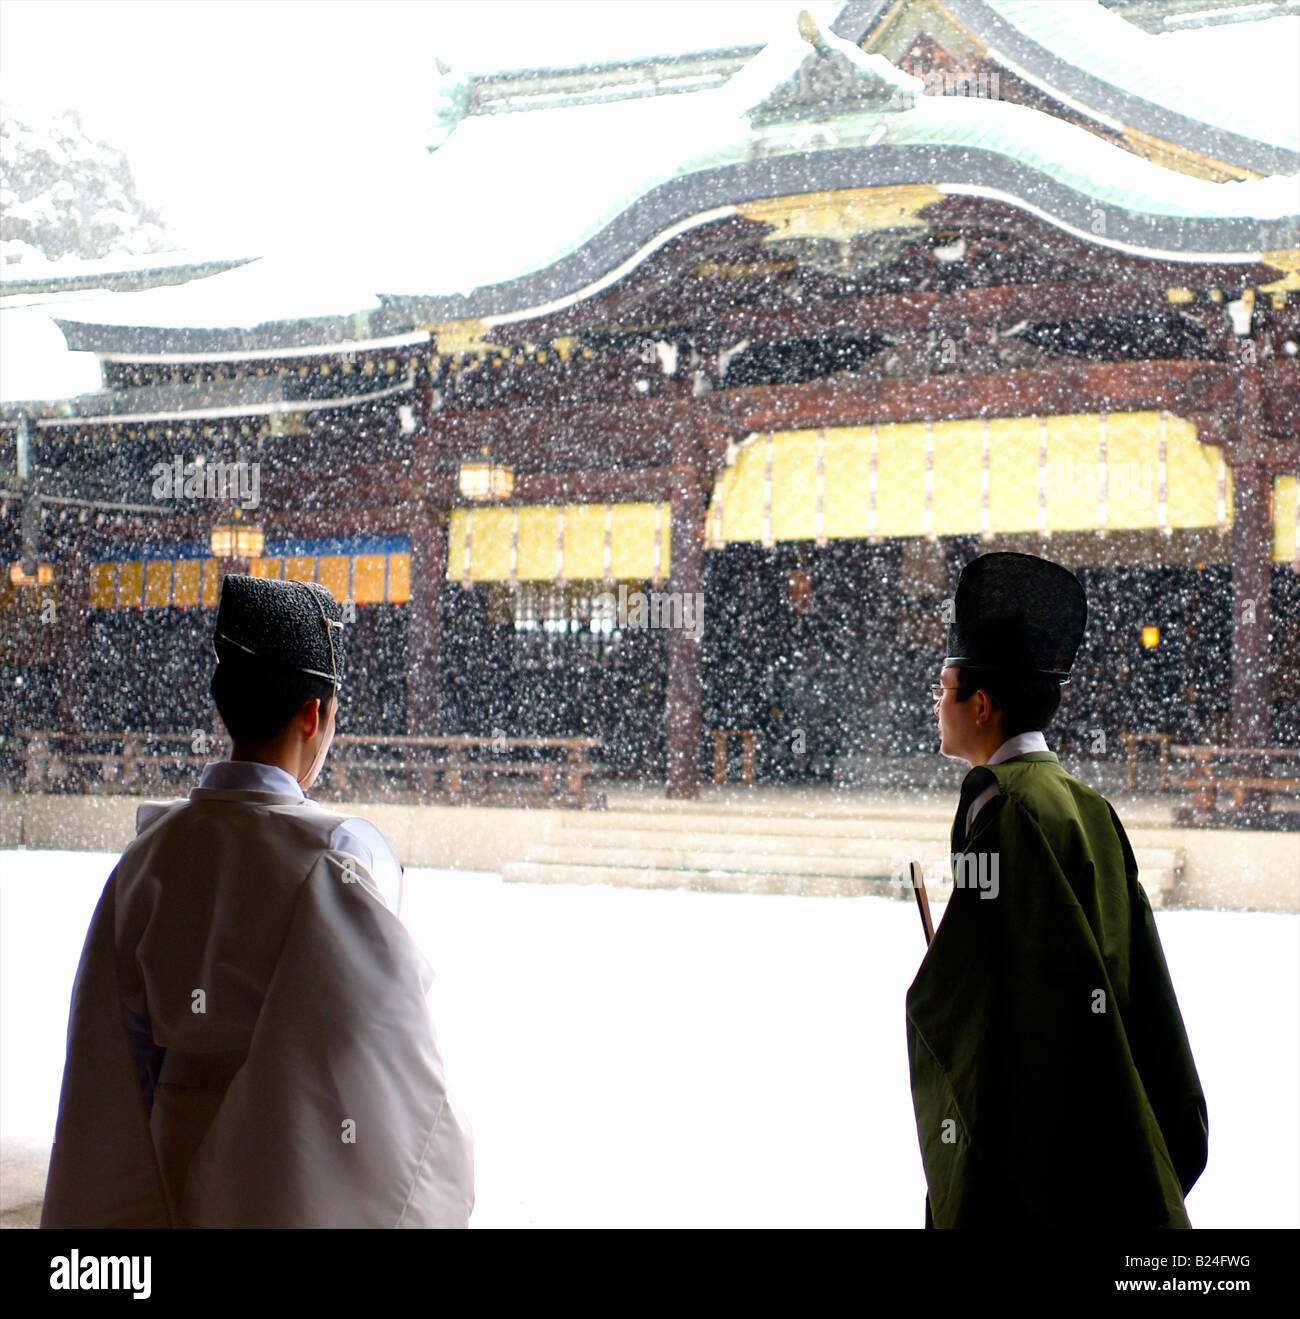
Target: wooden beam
{"x": 358, "y": 485}
{"x": 627, "y": 445}
{"x": 593, "y": 453}
{"x": 573, "y": 437}
{"x": 848, "y": 401}
{"x": 642, "y": 484}
{"x": 856, "y": 317}
{"x": 388, "y": 519}
{"x": 574, "y": 487}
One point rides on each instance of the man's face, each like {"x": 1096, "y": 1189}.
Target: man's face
{"x": 954, "y": 716}
{"x": 969, "y": 730}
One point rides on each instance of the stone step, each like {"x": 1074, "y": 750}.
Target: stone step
{"x": 722, "y": 868}
{"x": 717, "y": 881}
{"x": 687, "y": 839}
{"x": 858, "y": 825}
{"x": 827, "y": 836}
{"x": 748, "y": 838}
{"x": 1171, "y": 859}
{"x": 1157, "y": 888}
{"x": 718, "y": 855}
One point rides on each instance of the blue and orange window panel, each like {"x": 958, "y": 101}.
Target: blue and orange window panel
{"x": 364, "y": 569}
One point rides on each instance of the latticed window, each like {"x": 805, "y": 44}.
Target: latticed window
{"x": 545, "y": 617}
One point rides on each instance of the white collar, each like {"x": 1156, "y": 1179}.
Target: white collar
{"x": 1019, "y": 745}
{"x": 250, "y": 775}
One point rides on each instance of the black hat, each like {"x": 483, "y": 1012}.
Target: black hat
{"x": 289, "y": 624}
{"x": 1017, "y": 613}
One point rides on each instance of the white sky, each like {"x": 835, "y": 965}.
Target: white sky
{"x": 241, "y": 118}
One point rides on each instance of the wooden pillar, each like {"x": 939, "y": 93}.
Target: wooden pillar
{"x": 1252, "y": 556}
{"x": 1252, "y": 545}
{"x": 685, "y": 681}
{"x": 72, "y": 616}
{"x": 424, "y": 623}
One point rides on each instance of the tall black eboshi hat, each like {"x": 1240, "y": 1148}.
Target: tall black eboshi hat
{"x": 294, "y": 625}
{"x": 1017, "y": 613}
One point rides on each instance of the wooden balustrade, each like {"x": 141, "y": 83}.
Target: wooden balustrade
{"x": 547, "y": 771}
{"x": 1243, "y": 771}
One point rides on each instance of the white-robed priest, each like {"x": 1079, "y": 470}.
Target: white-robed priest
{"x": 249, "y": 1043}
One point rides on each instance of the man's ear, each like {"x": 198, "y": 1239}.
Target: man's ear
{"x": 988, "y": 706}
{"x": 310, "y": 716}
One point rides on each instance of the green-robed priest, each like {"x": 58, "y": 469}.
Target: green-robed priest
{"x": 1052, "y": 1078}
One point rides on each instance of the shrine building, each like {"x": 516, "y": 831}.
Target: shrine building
{"x": 677, "y": 392}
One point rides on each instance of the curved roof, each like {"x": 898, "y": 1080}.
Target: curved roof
{"x": 1168, "y": 86}
{"x": 519, "y": 212}
{"x": 1163, "y": 71}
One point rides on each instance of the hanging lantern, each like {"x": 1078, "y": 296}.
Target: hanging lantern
{"x": 486, "y": 480}
{"x": 237, "y": 539}
{"x": 43, "y": 576}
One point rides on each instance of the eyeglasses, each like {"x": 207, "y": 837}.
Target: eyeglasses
{"x": 937, "y": 691}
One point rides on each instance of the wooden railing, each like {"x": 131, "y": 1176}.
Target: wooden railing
{"x": 1245, "y": 772}
{"x": 544, "y": 771}
{"x": 116, "y": 762}
{"x": 552, "y": 771}
{"x": 748, "y": 754}
{"x": 1132, "y": 743}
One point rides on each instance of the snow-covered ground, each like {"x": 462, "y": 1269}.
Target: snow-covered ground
{"x": 636, "y": 1057}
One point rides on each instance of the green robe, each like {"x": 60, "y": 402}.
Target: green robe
{"x": 1052, "y": 1078}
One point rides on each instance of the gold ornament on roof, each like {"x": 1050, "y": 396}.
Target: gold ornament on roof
{"x": 843, "y": 214}
{"x": 1287, "y": 261}
{"x": 462, "y": 338}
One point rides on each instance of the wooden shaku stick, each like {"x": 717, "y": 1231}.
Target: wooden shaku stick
{"x": 922, "y": 902}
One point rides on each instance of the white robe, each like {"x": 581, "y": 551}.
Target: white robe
{"x": 354, "y": 835}
{"x": 302, "y": 1084}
